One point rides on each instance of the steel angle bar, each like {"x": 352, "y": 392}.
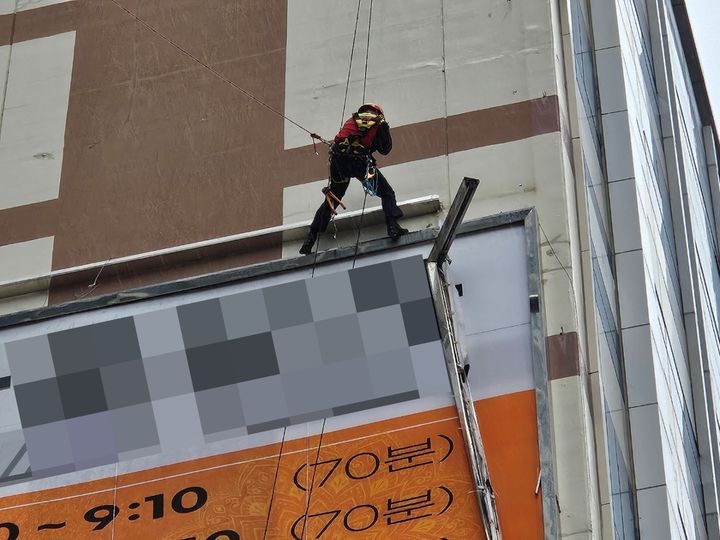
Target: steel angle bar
{"x": 456, "y": 356}
{"x": 454, "y": 218}
{"x": 456, "y": 359}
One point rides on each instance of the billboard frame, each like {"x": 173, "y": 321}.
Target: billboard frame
{"x": 527, "y": 218}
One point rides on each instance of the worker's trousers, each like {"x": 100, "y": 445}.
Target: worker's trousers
{"x": 342, "y": 169}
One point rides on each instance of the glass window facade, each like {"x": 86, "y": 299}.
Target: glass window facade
{"x": 610, "y": 360}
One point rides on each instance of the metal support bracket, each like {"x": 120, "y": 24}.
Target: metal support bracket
{"x": 456, "y": 357}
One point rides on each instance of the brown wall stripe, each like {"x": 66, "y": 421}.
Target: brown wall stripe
{"x": 40, "y": 22}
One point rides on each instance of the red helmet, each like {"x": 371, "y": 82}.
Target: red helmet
{"x": 374, "y": 106}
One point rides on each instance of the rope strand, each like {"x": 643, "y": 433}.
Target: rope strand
{"x": 367, "y": 51}
{"x": 352, "y": 53}
{"x": 277, "y": 473}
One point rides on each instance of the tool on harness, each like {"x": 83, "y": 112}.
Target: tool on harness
{"x": 332, "y": 200}
{"x": 314, "y": 137}
{"x": 370, "y": 182}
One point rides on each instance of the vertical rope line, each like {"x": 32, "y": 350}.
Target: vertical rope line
{"x": 112, "y": 534}
{"x": 317, "y": 249}
{"x": 367, "y": 51}
{"x": 367, "y": 169}
{"x": 357, "y": 240}
{"x": 312, "y": 482}
{"x": 272, "y": 495}
{"x": 352, "y": 53}
{"x": 445, "y": 97}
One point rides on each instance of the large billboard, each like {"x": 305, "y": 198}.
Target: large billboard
{"x": 284, "y": 406}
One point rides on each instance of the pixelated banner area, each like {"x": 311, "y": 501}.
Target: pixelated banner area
{"x": 230, "y": 366}
{"x": 400, "y": 478}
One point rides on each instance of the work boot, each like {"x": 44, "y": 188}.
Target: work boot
{"x": 394, "y": 229}
{"x": 307, "y": 246}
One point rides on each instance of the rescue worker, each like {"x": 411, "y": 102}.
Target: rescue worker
{"x": 351, "y": 157}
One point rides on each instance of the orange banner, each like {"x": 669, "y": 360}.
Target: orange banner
{"x": 402, "y": 478}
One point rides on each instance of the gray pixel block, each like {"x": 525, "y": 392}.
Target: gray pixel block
{"x": 383, "y": 330}
{"x": 4, "y": 364}
{"x": 391, "y": 373}
{"x": 93, "y": 346}
{"x": 81, "y": 393}
{"x": 39, "y": 402}
{"x": 411, "y": 279}
{"x": 333, "y": 385}
{"x": 267, "y": 426}
{"x": 430, "y": 369}
{"x": 124, "y": 384}
{"x": 220, "y": 409}
{"x": 311, "y": 417}
{"x": 340, "y": 339}
{"x": 263, "y": 400}
{"x": 134, "y": 428}
{"x": 30, "y": 359}
{"x": 245, "y": 314}
{"x": 234, "y": 361}
{"x": 178, "y": 423}
{"x": 225, "y": 435}
{"x": 331, "y": 296}
{"x": 92, "y": 440}
{"x": 159, "y": 332}
{"x": 168, "y": 375}
{"x": 9, "y": 414}
{"x": 374, "y": 286}
{"x": 49, "y": 447}
{"x": 421, "y": 324}
{"x": 139, "y": 453}
{"x": 287, "y": 304}
{"x": 297, "y": 348}
{"x": 202, "y": 323}
{"x": 375, "y": 403}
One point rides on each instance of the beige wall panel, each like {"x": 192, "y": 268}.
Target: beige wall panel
{"x": 497, "y": 52}
{"x": 404, "y": 62}
{"x": 21, "y": 260}
{"x": 494, "y": 56}
{"x": 33, "y": 122}
{"x": 571, "y": 457}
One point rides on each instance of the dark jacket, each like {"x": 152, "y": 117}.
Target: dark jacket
{"x": 361, "y": 135}
{"x": 383, "y": 140}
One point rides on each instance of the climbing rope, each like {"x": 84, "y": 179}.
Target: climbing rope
{"x": 368, "y": 186}
{"x": 342, "y": 120}
{"x": 362, "y": 212}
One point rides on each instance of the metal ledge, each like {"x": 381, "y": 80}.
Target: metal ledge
{"x": 254, "y": 270}
{"x": 429, "y": 204}
{"x": 373, "y": 215}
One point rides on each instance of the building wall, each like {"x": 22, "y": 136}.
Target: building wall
{"x": 645, "y": 270}
{"x": 607, "y": 368}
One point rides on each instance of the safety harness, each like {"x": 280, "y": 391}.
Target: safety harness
{"x": 357, "y": 134}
